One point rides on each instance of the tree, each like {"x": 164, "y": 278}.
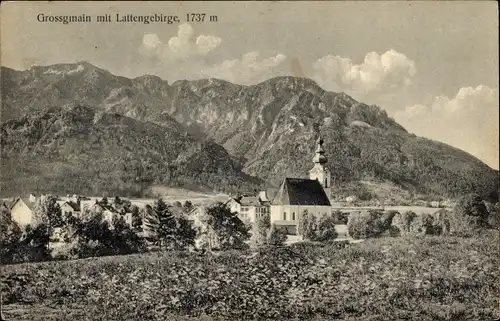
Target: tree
{"x": 104, "y": 201}
{"x": 10, "y": 234}
{"x": 402, "y": 222}
{"x": 168, "y": 230}
{"x": 340, "y": 217}
{"x": 369, "y": 224}
{"x": 136, "y": 219}
{"x": 33, "y": 245}
{"x": 260, "y": 229}
{"x": 47, "y": 211}
{"x": 124, "y": 240}
{"x": 117, "y": 201}
{"x": 306, "y": 225}
{"x": 494, "y": 220}
{"x": 319, "y": 229}
{"x": 90, "y": 236}
{"x": 423, "y": 224}
{"x": 188, "y": 206}
{"x": 160, "y": 222}
{"x": 469, "y": 215}
{"x": 326, "y": 229}
{"x": 219, "y": 228}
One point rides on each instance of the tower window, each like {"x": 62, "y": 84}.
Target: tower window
{"x": 284, "y": 216}
{"x": 293, "y": 216}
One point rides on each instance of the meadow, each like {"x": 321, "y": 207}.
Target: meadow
{"x": 403, "y": 278}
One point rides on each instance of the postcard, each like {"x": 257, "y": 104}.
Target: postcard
{"x": 269, "y": 160}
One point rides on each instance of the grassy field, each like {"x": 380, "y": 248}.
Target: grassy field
{"x": 419, "y": 278}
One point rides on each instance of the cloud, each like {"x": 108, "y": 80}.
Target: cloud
{"x": 377, "y": 73}
{"x": 249, "y": 69}
{"x": 185, "y": 46}
{"x": 186, "y": 56}
{"x": 468, "y": 121}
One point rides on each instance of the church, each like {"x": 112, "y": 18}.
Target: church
{"x": 296, "y": 195}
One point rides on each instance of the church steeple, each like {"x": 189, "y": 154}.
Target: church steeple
{"x": 320, "y": 171}
{"x": 320, "y": 157}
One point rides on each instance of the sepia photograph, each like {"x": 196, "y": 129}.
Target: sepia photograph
{"x": 249, "y": 160}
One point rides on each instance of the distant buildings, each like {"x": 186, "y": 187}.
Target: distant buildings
{"x": 23, "y": 211}
{"x": 294, "y": 196}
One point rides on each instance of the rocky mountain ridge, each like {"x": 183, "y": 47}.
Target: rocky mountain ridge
{"x": 269, "y": 128}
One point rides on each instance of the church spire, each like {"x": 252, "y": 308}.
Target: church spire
{"x": 320, "y": 171}
{"x": 320, "y": 157}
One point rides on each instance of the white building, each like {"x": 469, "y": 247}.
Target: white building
{"x": 249, "y": 208}
{"x": 296, "y": 195}
{"x": 22, "y": 212}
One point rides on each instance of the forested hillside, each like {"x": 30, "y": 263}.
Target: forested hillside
{"x": 76, "y": 150}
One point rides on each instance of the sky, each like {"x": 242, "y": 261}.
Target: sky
{"x": 433, "y": 66}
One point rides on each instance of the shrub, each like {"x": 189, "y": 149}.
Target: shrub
{"x": 370, "y": 224}
{"x": 275, "y": 236}
{"x": 33, "y": 245}
{"x": 315, "y": 228}
{"x": 469, "y": 216}
{"x": 422, "y": 225}
{"x": 403, "y": 220}
{"x": 494, "y": 219}
{"x": 340, "y": 217}
{"x": 410, "y": 223}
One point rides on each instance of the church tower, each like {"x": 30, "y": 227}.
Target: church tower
{"x": 320, "y": 172}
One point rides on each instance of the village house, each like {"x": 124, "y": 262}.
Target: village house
{"x": 108, "y": 211}
{"x": 70, "y": 208}
{"x": 296, "y": 195}
{"x": 249, "y": 208}
{"x": 22, "y": 212}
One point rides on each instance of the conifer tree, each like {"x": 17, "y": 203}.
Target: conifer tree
{"x": 160, "y": 222}
{"x": 168, "y": 231}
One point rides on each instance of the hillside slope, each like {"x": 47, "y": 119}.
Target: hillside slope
{"x": 76, "y": 150}
{"x": 269, "y": 128}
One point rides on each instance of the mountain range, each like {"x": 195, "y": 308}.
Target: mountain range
{"x": 212, "y": 134}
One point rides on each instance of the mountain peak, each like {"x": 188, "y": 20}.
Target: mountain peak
{"x": 268, "y": 128}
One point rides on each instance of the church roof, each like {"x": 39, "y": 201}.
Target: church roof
{"x": 299, "y": 191}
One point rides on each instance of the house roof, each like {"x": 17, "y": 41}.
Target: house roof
{"x": 73, "y": 205}
{"x": 298, "y": 191}
{"x": 249, "y": 201}
{"x": 28, "y": 204}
